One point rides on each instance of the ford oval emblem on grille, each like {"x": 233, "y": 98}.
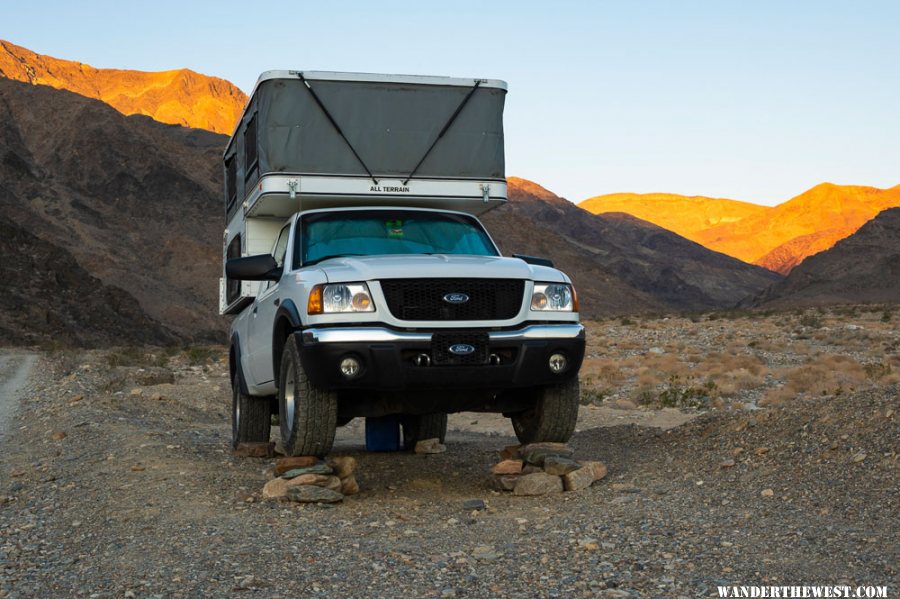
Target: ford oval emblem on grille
{"x": 456, "y": 298}
{"x": 462, "y": 349}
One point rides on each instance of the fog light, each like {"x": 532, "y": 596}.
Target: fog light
{"x": 558, "y": 363}
{"x": 350, "y": 367}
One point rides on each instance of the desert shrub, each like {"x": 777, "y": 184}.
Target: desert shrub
{"x": 625, "y": 321}
{"x": 129, "y": 356}
{"x": 813, "y": 321}
{"x": 688, "y": 393}
{"x": 887, "y": 315}
{"x": 199, "y": 355}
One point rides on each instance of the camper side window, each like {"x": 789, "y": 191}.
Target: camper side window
{"x": 233, "y": 287}
{"x": 250, "y": 151}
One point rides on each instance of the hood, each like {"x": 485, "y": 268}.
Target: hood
{"x": 373, "y": 268}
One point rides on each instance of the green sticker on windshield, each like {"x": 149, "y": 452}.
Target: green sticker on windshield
{"x": 394, "y": 228}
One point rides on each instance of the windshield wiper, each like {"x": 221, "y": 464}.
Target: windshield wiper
{"x": 329, "y": 257}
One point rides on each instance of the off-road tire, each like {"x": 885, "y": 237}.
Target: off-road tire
{"x": 251, "y": 417}
{"x": 553, "y": 416}
{"x": 308, "y": 428}
{"x": 419, "y": 428}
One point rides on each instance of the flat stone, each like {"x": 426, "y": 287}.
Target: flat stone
{"x": 313, "y": 494}
{"x": 314, "y": 469}
{"x": 255, "y": 450}
{"x": 430, "y": 446}
{"x": 539, "y": 483}
{"x": 508, "y": 467}
{"x": 473, "y": 504}
{"x": 536, "y": 453}
{"x": 577, "y": 480}
{"x": 729, "y": 463}
{"x": 343, "y": 466}
{"x": 349, "y": 486}
{"x": 505, "y": 482}
{"x": 511, "y": 452}
{"x": 768, "y": 493}
{"x": 277, "y": 487}
{"x": 58, "y": 436}
{"x": 291, "y": 463}
{"x": 598, "y": 468}
{"x": 558, "y": 466}
{"x": 531, "y": 469}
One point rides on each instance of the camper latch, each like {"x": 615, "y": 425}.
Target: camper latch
{"x": 293, "y": 185}
{"x": 485, "y": 192}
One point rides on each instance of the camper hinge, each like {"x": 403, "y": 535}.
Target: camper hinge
{"x": 485, "y": 192}
{"x": 293, "y": 186}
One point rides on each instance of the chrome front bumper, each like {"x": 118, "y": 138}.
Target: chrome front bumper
{"x": 384, "y": 335}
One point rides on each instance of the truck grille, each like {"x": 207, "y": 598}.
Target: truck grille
{"x": 424, "y": 299}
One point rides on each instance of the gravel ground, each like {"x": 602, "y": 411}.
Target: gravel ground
{"x": 117, "y": 481}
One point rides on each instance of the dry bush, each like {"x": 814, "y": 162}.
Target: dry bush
{"x": 822, "y": 375}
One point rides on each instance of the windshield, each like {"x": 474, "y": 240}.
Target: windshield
{"x": 380, "y": 232}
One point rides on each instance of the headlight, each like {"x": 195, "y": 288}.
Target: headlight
{"x": 554, "y": 297}
{"x": 340, "y": 297}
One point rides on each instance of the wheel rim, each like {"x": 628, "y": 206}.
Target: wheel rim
{"x": 290, "y": 398}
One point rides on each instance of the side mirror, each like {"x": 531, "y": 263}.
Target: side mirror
{"x": 534, "y": 260}
{"x": 253, "y": 268}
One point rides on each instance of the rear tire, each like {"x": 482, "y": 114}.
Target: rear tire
{"x": 251, "y": 417}
{"x": 307, "y": 414}
{"x": 553, "y": 416}
{"x": 421, "y": 427}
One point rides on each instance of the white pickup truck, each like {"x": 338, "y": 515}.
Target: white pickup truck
{"x": 363, "y": 283}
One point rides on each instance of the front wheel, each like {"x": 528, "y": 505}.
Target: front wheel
{"x": 552, "y": 416}
{"x": 307, "y": 414}
{"x": 251, "y": 417}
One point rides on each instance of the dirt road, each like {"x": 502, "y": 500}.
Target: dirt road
{"x": 15, "y": 367}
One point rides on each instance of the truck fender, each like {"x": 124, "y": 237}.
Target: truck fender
{"x": 234, "y": 363}
{"x": 287, "y": 320}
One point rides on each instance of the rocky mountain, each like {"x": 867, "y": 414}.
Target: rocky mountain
{"x": 133, "y": 203}
{"x": 776, "y": 238}
{"x": 180, "y": 97}
{"x": 805, "y": 225}
{"x": 685, "y": 215}
{"x": 666, "y": 269}
{"x": 863, "y": 268}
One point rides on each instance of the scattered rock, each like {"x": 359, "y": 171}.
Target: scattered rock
{"x": 314, "y": 469}
{"x": 508, "y": 467}
{"x": 430, "y": 446}
{"x": 578, "y": 479}
{"x": 313, "y": 494}
{"x": 343, "y": 466}
{"x": 349, "y": 486}
{"x": 625, "y": 404}
{"x": 559, "y": 466}
{"x": 473, "y": 504}
{"x": 58, "y": 436}
{"x": 729, "y": 463}
{"x": 138, "y": 468}
{"x": 290, "y": 463}
{"x": 255, "y": 450}
{"x": 539, "y": 483}
{"x": 859, "y": 457}
{"x": 761, "y": 450}
{"x": 625, "y": 488}
{"x": 656, "y": 350}
{"x": 768, "y": 492}
{"x": 137, "y": 392}
{"x": 485, "y": 553}
{"x": 531, "y": 469}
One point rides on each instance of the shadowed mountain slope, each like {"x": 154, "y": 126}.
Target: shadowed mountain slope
{"x": 675, "y": 272}
{"x": 137, "y": 203}
{"x": 863, "y": 268}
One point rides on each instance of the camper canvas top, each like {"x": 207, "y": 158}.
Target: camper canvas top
{"x": 329, "y": 139}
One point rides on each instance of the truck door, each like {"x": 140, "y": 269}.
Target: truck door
{"x": 262, "y": 318}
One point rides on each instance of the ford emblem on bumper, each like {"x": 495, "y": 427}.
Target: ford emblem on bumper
{"x": 462, "y": 349}
{"x": 456, "y": 298}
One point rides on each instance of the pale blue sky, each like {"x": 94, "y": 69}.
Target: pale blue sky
{"x": 753, "y": 100}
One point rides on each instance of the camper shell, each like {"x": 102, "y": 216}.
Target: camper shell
{"x": 312, "y": 139}
{"x": 408, "y": 310}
